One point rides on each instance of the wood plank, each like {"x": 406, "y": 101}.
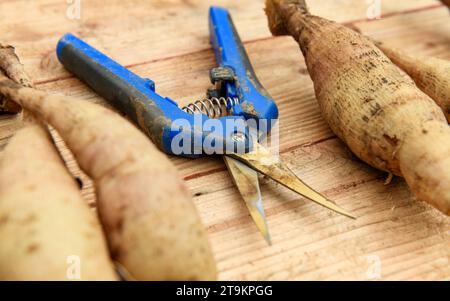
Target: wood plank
{"x": 186, "y": 78}
{"x": 411, "y": 239}
{"x": 312, "y": 243}
{"x": 139, "y": 31}
{"x": 424, "y": 33}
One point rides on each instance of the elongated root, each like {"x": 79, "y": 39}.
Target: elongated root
{"x": 47, "y": 232}
{"x": 151, "y": 223}
{"x": 370, "y": 104}
{"x": 431, "y": 75}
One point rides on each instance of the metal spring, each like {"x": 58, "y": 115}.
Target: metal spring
{"x": 212, "y": 107}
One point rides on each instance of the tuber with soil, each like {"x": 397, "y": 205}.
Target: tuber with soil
{"x": 150, "y": 220}
{"x": 431, "y": 75}
{"x": 45, "y": 225}
{"x": 369, "y": 102}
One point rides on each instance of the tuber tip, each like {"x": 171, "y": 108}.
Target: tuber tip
{"x": 274, "y": 11}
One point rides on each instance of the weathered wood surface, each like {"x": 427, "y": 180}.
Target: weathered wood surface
{"x": 168, "y": 42}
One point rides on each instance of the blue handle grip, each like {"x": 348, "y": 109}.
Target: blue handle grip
{"x": 173, "y": 130}
{"x": 255, "y": 102}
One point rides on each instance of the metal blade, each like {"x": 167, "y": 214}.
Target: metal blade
{"x": 246, "y": 180}
{"x": 263, "y": 161}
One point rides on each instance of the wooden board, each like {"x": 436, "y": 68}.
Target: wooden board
{"x": 394, "y": 237}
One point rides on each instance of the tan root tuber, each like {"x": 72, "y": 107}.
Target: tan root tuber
{"x": 152, "y": 225}
{"x": 431, "y": 75}
{"x": 369, "y": 103}
{"x": 45, "y": 225}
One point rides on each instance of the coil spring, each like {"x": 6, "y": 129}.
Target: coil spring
{"x": 212, "y": 107}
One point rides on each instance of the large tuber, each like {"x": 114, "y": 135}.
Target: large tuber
{"x": 150, "y": 220}
{"x": 369, "y": 103}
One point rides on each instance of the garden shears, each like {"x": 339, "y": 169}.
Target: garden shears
{"x": 237, "y": 96}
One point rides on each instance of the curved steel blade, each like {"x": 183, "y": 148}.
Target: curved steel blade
{"x": 263, "y": 161}
{"x": 246, "y": 180}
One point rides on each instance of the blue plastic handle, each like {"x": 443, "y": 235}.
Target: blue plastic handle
{"x": 255, "y": 102}
{"x": 159, "y": 117}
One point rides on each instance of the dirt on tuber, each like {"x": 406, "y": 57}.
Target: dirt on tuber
{"x": 45, "y": 225}
{"x": 150, "y": 220}
{"x": 431, "y": 75}
{"x": 369, "y": 102}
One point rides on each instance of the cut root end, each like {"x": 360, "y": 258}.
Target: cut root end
{"x": 278, "y": 12}
{"x": 276, "y": 23}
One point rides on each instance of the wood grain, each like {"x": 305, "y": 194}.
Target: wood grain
{"x": 168, "y": 42}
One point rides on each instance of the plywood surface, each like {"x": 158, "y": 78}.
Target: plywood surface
{"x": 394, "y": 237}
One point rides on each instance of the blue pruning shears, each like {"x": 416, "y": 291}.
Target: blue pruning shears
{"x": 201, "y": 128}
